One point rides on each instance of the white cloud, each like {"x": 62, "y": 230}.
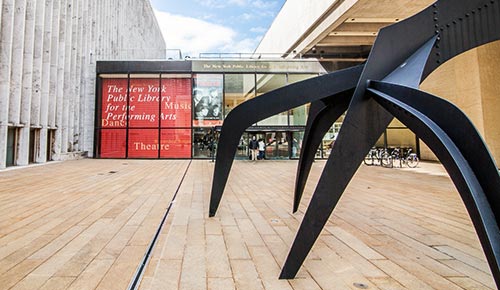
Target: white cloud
{"x": 212, "y": 3}
{"x": 246, "y": 45}
{"x": 259, "y": 29}
{"x": 264, "y": 5}
{"x": 193, "y": 36}
{"x": 238, "y": 2}
{"x": 247, "y": 16}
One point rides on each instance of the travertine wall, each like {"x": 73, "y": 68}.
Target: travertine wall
{"x": 471, "y": 82}
{"x": 48, "y": 52}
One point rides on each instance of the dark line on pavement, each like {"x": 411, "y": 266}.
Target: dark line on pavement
{"x": 136, "y": 279}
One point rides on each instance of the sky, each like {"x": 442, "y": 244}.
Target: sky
{"x": 214, "y": 26}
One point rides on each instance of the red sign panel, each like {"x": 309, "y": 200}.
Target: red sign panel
{"x": 175, "y": 143}
{"x": 143, "y": 143}
{"x": 148, "y": 110}
{"x": 113, "y": 143}
{"x": 114, "y": 103}
{"x": 144, "y": 102}
{"x": 176, "y": 103}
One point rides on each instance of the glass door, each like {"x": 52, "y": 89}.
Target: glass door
{"x": 277, "y": 145}
{"x": 11, "y": 149}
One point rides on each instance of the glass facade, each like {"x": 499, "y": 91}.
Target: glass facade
{"x": 139, "y": 120}
{"x": 238, "y": 88}
{"x": 179, "y": 114}
{"x": 264, "y": 84}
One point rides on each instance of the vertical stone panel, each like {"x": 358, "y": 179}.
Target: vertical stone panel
{"x": 67, "y": 76}
{"x": 29, "y": 37}
{"x": 1, "y": 4}
{"x": 60, "y": 78}
{"x": 99, "y": 30}
{"x": 89, "y": 99}
{"x": 73, "y": 68}
{"x": 79, "y": 74}
{"x": 36, "y": 92}
{"x": 54, "y": 60}
{"x": 46, "y": 76}
{"x": 5, "y": 67}
{"x": 17, "y": 62}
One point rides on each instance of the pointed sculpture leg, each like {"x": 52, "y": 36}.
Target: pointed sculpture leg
{"x": 267, "y": 105}
{"x": 320, "y": 120}
{"x": 442, "y": 126}
{"x": 364, "y": 123}
{"x": 403, "y": 53}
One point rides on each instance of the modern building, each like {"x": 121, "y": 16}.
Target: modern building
{"x": 174, "y": 109}
{"x": 85, "y": 78}
{"x": 340, "y": 33}
{"x": 48, "y": 55}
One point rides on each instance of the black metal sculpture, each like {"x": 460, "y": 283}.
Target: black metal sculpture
{"x": 402, "y": 56}
{"x": 267, "y": 105}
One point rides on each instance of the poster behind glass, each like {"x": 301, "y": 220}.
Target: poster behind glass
{"x": 207, "y": 100}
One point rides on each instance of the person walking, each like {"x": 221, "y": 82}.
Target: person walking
{"x": 254, "y": 148}
{"x": 262, "y": 149}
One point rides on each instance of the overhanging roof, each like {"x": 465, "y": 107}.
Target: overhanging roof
{"x": 341, "y": 31}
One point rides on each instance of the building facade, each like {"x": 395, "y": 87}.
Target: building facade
{"x": 340, "y": 33}
{"x": 174, "y": 109}
{"x": 48, "y": 55}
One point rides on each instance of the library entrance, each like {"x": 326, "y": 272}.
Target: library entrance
{"x": 280, "y": 144}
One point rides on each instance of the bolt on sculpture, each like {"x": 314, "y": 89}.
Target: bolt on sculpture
{"x": 386, "y": 86}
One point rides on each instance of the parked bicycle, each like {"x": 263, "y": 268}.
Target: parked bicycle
{"x": 378, "y": 156}
{"x": 406, "y": 157}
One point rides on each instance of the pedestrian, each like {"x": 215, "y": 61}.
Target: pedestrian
{"x": 262, "y": 149}
{"x": 254, "y": 148}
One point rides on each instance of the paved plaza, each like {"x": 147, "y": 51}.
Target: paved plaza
{"x": 87, "y": 224}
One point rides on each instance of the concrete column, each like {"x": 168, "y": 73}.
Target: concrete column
{"x": 17, "y": 64}
{"x": 67, "y": 76}
{"x": 89, "y": 100}
{"x": 29, "y": 41}
{"x": 54, "y": 60}
{"x": 60, "y": 79}
{"x": 44, "y": 104}
{"x": 75, "y": 51}
{"x": 78, "y": 64}
{"x": 5, "y": 62}
{"x": 109, "y": 30}
{"x": 1, "y": 4}
{"x": 83, "y": 75}
{"x": 82, "y": 26}
{"x": 36, "y": 93}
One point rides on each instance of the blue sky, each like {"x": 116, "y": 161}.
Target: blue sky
{"x": 228, "y": 26}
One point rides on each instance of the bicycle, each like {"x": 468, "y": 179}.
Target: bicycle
{"x": 410, "y": 159}
{"x": 378, "y": 155}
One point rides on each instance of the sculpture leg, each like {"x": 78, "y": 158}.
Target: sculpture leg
{"x": 363, "y": 125}
{"x": 320, "y": 119}
{"x": 443, "y": 126}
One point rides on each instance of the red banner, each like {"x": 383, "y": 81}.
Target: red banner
{"x": 143, "y": 143}
{"x": 114, "y": 103}
{"x": 113, "y": 143}
{"x": 144, "y": 102}
{"x": 176, "y": 103}
{"x": 149, "y": 109}
{"x": 175, "y": 143}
